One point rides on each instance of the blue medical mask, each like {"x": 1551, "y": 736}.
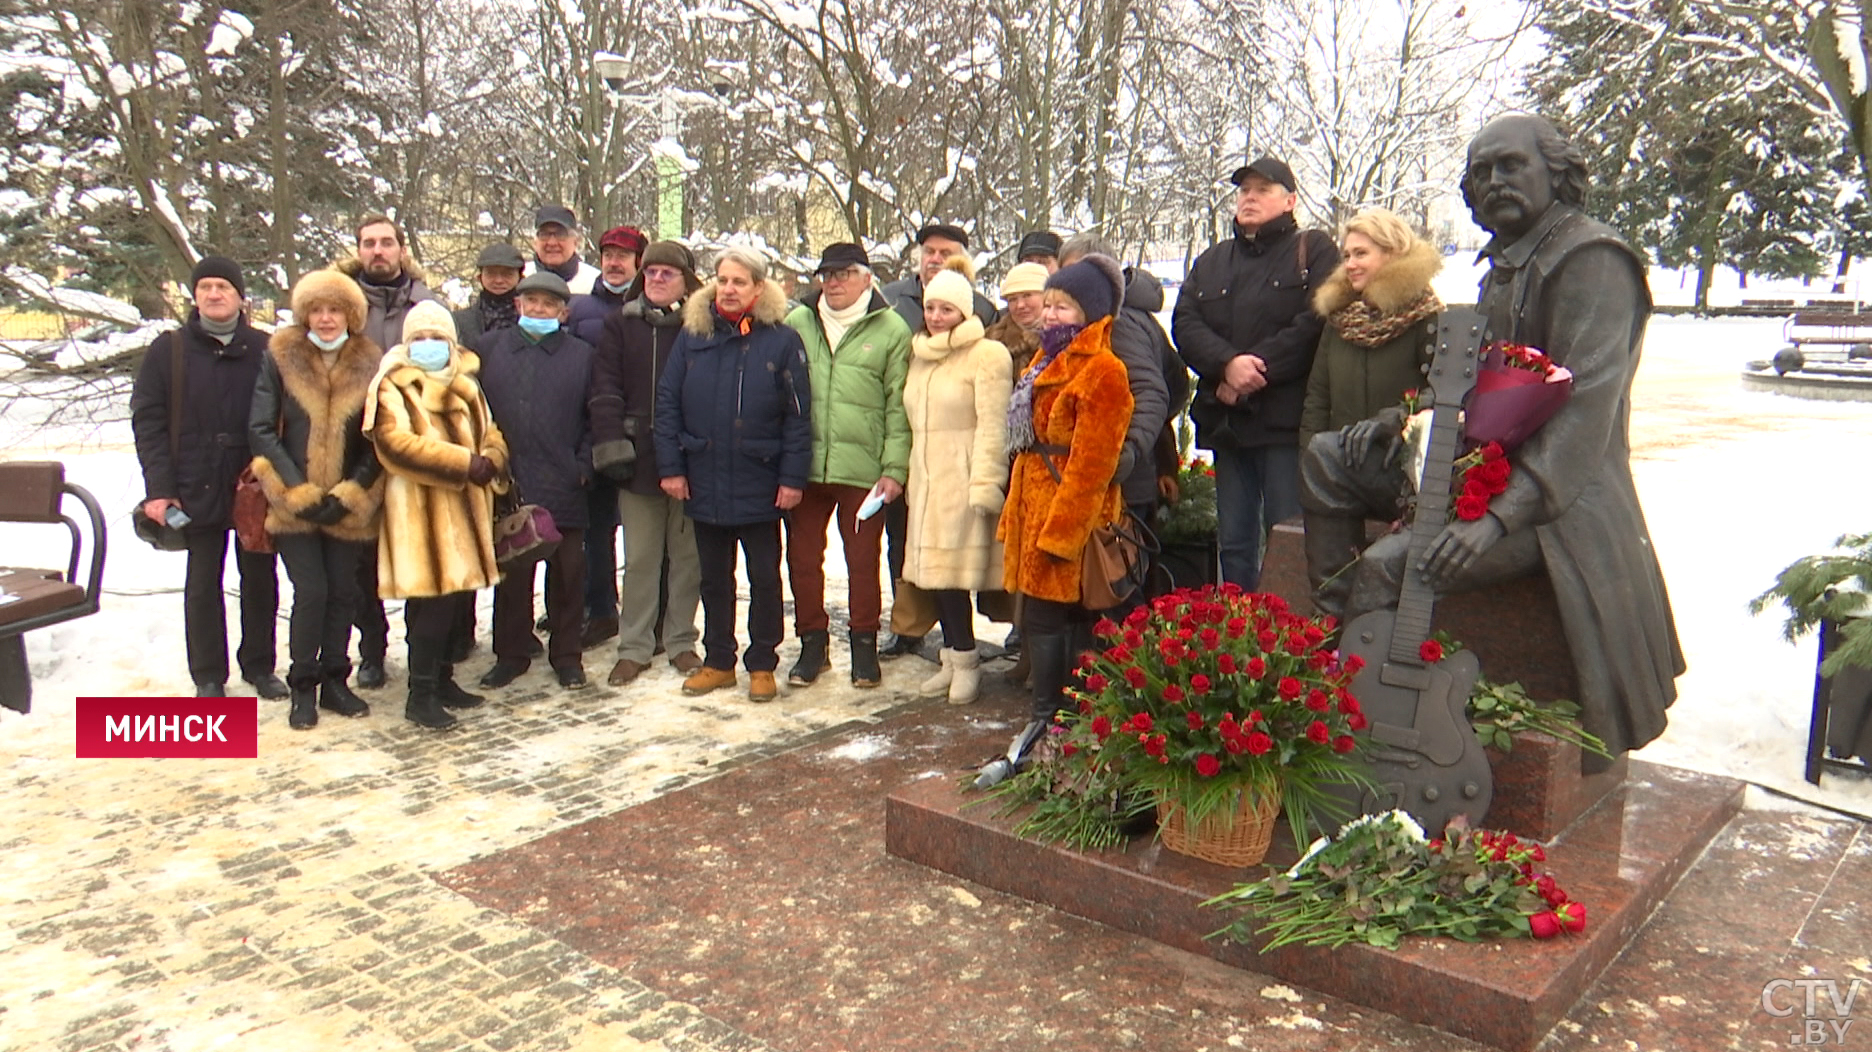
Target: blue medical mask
{"x": 327, "y": 345}
{"x": 539, "y": 327}
{"x": 615, "y": 290}
{"x": 429, "y": 355}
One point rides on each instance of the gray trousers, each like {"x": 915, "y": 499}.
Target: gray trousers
{"x": 1338, "y": 496}
{"x": 656, "y": 527}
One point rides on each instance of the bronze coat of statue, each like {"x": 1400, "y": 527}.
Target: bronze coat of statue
{"x": 1566, "y": 284}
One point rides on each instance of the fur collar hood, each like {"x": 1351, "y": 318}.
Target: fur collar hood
{"x": 1393, "y": 288}
{"x": 699, "y": 318}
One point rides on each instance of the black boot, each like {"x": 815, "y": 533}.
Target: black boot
{"x": 1052, "y": 657}
{"x": 812, "y": 658}
{"x": 370, "y": 673}
{"x": 336, "y": 696}
{"x": 1333, "y": 543}
{"x": 898, "y": 646}
{"x": 865, "y": 670}
{"x": 424, "y": 706}
{"x": 303, "y": 716}
{"x": 451, "y": 693}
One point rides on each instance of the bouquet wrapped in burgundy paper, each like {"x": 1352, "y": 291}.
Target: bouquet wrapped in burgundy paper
{"x": 1517, "y": 390}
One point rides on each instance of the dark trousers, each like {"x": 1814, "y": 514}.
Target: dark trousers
{"x": 204, "y": 610}
{"x": 324, "y": 575}
{"x": 436, "y": 618}
{"x": 565, "y": 600}
{"x": 1255, "y": 489}
{"x": 373, "y": 625}
{"x": 715, "y": 550}
{"x": 957, "y": 615}
{"x": 601, "y": 557}
{"x": 806, "y": 545}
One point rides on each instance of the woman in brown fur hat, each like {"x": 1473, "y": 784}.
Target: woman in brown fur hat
{"x": 1380, "y": 333}
{"x": 321, "y": 478}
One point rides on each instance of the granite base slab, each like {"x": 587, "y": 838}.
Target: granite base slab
{"x": 1621, "y": 859}
{"x": 1539, "y": 789}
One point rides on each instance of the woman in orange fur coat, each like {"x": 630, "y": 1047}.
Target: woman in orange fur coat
{"x": 1066, "y": 427}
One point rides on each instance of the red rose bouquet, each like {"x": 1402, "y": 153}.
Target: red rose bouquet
{"x": 1517, "y": 390}
{"x": 1380, "y": 880}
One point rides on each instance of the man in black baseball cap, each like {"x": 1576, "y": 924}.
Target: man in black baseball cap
{"x": 1268, "y": 167}
{"x": 556, "y": 243}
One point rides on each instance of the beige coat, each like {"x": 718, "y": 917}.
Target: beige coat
{"x": 956, "y": 397}
{"x": 437, "y": 533}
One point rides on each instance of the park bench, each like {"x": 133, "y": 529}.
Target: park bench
{"x": 1837, "y": 339}
{"x": 34, "y": 492}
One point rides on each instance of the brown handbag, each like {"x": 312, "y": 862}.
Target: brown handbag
{"x": 1115, "y": 561}
{"x": 249, "y": 511}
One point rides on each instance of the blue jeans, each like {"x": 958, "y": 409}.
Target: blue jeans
{"x": 1255, "y": 489}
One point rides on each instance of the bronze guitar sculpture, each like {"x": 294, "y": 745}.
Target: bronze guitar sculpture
{"x": 1425, "y": 757}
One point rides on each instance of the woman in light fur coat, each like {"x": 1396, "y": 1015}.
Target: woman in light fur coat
{"x": 321, "y": 478}
{"x": 956, "y": 396}
{"x": 443, "y": 458}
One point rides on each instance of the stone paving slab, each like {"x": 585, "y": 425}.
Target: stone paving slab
{"x": 288, "y": 902}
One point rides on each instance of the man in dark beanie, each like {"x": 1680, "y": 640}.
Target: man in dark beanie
{"x": 497, "y": 271}
{"x": 188, "y": 411}
{"x": 632, "y": 350}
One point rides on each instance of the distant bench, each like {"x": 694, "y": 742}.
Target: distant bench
{"x": 1837, "y": 336}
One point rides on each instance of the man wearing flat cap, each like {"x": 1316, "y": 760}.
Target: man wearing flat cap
{"x": 556, "y": 243}
{"x": 935, "y": 244}
{"x": 858, "y": 351}
{"x": 1042, "y": 247}
{"x": 497, "y": 270}
{"x": 1244, "y": 322}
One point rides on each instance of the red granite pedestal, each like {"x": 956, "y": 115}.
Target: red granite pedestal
{"x": 1621, "y": 859}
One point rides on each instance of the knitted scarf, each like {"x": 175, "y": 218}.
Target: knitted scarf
{"x": 498, "y": 312}
{"x": 1020, "y": 421}
{"x": 1361, "y": 324}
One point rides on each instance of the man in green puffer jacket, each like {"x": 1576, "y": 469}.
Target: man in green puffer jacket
{"x": 858, "y": 349}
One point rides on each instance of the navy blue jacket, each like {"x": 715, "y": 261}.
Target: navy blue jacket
{"x": 586, "y": 317}
{"x": 733, "y": 411}
{"x": 537, "y": 392}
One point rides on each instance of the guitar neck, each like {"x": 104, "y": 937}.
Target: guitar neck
{"x": 1452, "y": 374}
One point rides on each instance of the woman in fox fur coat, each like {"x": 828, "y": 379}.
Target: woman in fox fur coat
{"x": 322, "y": 481}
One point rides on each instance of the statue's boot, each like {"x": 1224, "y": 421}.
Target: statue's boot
{"x": 1333, "y": 543}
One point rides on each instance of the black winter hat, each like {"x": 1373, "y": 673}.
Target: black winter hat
{"x": 842, "y": 254}
{"x": 1095, "y": 282}
{"x": 218, "y": 267}
{"x": 500, "y": 254}
{"x": 1268, "y": 167}
{"x": 1039, "y": 243}
{"x": 948, "y": 230}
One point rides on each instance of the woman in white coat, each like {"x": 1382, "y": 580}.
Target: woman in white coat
{"x": 956, "y": 397}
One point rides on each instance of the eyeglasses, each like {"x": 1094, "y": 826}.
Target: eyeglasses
{"x": 662, "y": 274}
{"x": 842, "y": 274}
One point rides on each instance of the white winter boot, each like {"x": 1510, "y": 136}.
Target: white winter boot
{"x": 939, "y": 683}
{"x": 966, "y": 682}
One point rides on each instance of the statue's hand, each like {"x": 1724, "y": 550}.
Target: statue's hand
{"x": 1458, "y": 547}
{"x": 1380, "y": 434}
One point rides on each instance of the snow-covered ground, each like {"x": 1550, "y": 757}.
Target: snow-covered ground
{"x": 1736, "y": 485}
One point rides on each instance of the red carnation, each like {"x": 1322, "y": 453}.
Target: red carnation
{"x": 1318, "y": 700}
{"x": 1289, "y": 688}
{"x": 1469, "y": 508}
{"x": 1318, "y": 733}
{"x": 1199, "y": 683}
{"x": 1226, "y": 664}
{"x": 1431, "y": 651}
{"x": 1259, "y": 743}
{"x": 1208, "y": 766}
{"x": 1195, "y": 720}
{"x": 1544, "y": 925}
{"x": 1342, "y": 744}
{"x": 1096, "y": 683}
{"x": 1134, "y": 676}
{"x": 1173, "y": 693}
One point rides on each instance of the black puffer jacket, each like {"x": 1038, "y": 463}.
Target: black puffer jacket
{"x": 538, "y": 392}
{"x": 1252, "y": 295}
{"x": 217, "y": 394}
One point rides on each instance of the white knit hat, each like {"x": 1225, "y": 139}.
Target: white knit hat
{"x": 1023, "y": 277}
{"x": 428, "y": 316}
{"x": 952, "y": 286}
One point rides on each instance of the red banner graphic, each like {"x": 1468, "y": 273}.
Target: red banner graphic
{"x": 184, "y": 728}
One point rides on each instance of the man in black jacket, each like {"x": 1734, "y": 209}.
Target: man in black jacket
{"x": 1244, "y": 322}
{"x": 192, "y": 444}
{"x": 537, "y": 378}
{"x": 497, "y": 270}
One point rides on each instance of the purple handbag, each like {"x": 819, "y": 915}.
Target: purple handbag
{"x": 524, "y": 534}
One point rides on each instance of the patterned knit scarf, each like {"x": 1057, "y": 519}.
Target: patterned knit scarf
{"x": 498, "y": 312}
{"x": 1020, "y": 421}
{"x": 1364, "y": 325}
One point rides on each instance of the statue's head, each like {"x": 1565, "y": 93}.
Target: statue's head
{"x": 1519, "y": 165}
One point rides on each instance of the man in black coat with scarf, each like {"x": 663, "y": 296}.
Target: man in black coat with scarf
{"x": 192, "y": 444}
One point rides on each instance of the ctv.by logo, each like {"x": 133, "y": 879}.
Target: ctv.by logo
{"x": 1779, "y": 999}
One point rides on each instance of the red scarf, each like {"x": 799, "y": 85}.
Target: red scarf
{"x": 739, "y": 319}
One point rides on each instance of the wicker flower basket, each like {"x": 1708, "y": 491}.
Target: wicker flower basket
{"x": 1234, "y": 840}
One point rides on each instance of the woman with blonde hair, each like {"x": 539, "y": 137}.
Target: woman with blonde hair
{"x": 956, "y": 396}
{"x": 1380, "y": 332}
{"x": 322, "y": 481}
{"x": 442, "y": 453}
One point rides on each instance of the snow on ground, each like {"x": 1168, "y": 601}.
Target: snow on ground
{"x": 1736, "y": 484}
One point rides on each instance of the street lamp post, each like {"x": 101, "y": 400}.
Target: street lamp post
{"x": 672, "y": 162}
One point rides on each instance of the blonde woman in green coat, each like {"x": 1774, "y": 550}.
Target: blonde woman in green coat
{"x": 1380, "y": 332}
{"x": 858, "y": 351}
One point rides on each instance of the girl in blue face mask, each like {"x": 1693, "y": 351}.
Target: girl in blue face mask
{"x": 443, "y": 458}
